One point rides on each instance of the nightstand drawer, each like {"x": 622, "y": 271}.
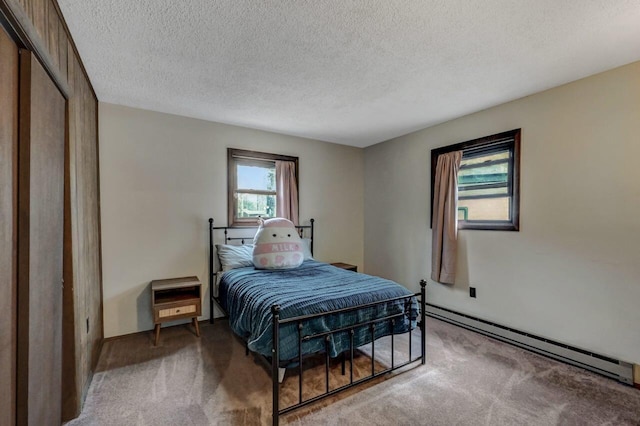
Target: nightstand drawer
{"x": 170, "y": 312}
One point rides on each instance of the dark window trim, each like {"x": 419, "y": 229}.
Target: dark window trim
{"x": 233, "y": 155}
{"x": 478, "y": 147}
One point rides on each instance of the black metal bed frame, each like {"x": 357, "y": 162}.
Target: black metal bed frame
{"x": 299, "y": 320}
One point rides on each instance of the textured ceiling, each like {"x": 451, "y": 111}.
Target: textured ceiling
{"x": 354, "y": 72}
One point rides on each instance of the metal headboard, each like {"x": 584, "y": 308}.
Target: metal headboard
{"x": 229, "y": 229}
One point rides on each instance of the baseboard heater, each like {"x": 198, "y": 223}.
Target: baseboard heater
{"x": 619, "y": 370}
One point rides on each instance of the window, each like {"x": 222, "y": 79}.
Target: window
{"x": 252, "y": 188}
{"x": 488, "y": 181}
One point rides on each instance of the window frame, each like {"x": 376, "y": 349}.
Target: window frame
{"x": 487, "y": 143}
{"x": 239, "y": 156}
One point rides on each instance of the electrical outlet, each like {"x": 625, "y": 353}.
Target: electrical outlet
{"x": 472, "y": 292}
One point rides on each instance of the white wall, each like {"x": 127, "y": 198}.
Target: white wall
{"x": 162, "y": 176}
{"x": 572, "y": 273}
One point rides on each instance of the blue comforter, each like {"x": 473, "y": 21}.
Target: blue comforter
{"x": 247, "y": 295}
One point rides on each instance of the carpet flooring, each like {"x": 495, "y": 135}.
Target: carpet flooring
{"x": 469, "y": 379}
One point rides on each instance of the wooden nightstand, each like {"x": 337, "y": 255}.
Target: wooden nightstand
{"x": 174, "y": 299}
{"x": 346, "y": 266}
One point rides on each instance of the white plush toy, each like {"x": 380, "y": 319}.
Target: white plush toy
{"x": 277, "y": 245}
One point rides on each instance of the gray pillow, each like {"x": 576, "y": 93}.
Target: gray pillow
{"x": 232, "y": 257}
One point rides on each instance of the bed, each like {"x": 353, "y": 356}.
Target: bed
{"x": 289, "y": 315}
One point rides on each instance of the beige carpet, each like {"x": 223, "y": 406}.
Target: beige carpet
{"x": 469, "y": 379}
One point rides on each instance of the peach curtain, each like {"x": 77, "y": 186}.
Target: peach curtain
{"x": 287, "y": 190}
{"x": 445, "y": 218}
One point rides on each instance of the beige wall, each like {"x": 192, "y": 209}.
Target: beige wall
{"x": 572, "y": 273}
{"x": 162, "y": 176}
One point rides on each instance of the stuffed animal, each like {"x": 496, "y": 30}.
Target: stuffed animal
{"x": 277, "y": 245}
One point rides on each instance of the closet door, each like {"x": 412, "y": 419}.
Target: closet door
{"x": 40, "y": 245}
{"x": 8, "y": 233}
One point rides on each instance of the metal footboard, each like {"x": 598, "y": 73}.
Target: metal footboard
{"x": 391, "y": 319}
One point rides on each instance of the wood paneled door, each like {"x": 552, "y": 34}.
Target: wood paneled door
{"x": 9, "y": 60}
{"x": 42, "y": 118}
{"x": 38, "y": 123}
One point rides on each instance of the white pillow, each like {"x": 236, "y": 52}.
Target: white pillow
{"x": 232, "y": 257}
{"x": 306, "y": 249}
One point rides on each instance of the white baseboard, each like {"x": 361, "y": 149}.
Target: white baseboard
{"x": 616, "y": 369}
